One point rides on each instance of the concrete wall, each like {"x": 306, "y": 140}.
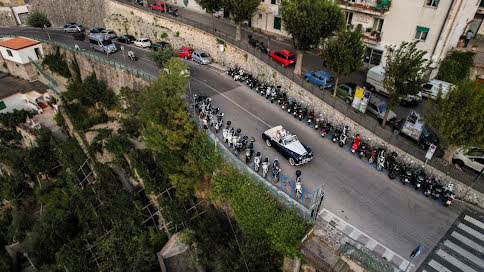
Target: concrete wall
{"x": 89, "y": 13}
{"x": 7, "y": 18}
{"x": 26, "y": 71}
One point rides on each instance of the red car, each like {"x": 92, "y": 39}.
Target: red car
{"x": 184, "y": 52}
{"x": 285, "y": 57}
{"x": 158, "y": 6}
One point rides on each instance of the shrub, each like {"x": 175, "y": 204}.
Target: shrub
{"x": 456, "y": 66}
{"x": 164, "y": 35}
{"x": 57, "y": 63}
{"x": 90, "y": 91}
{"x": 131, "y": 126}
{"x": 160, "y": 57}
{"x": 118, "y": 145}
{"x": 37, "y": 18}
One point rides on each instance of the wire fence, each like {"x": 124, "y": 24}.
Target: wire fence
{"x": 371, "y": 124}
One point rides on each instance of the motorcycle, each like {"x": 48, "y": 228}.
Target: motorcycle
{"x": 298, "y": 184}
{"x": 296, "y": 109}
{"x": 380, "y": 160}
{"x": 318, "y": 121}
{"x": 226, "y": 132}
{"x": 438, "y": 189}
{"x": 418, "y": 178}
{"x": 336, "y": 135}
{"x": 235, "y": 138}
{"x": 344, "y": 136}
{"x": 265, "y": 167}
{"x": 405, "y": 174}
{"x": 282, "y": 98}
{"x": 275, "y": 93}
{"x": 131, "y": 55}
{"x": 427, "y": 187}
{"x": 356, "y": 143}
{"x": 393, "y": 170}
{"x": 172, "y": 11}
{"x": 257, "y": 162}
{"x": 276, "y": 171}
{"x": 253, "y": 41}
{"x": 249, "y": 151}
{"x": 362, "y": 149}
{"x": 263, "y": 48}
{"x": 326, "y": 129}
{"x": 373, "y": 154}
{"x": 311, "y": 116}
{"x": 302, "y": 112}
{"x": 448, "y": 196}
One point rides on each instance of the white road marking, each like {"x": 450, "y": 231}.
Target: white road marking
{"x": 471, "y": 231}
{"x": 235, "y": 103}
{"x": 437, "y": 266}
{"x": 462, "y": 266}
{"x": 467, "y": 241}
{"x": 474, "y": 221}
{"x": 371, "y": 244}
{"x": 464, "y": 253}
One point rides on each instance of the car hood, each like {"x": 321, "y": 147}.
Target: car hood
{"x": 297, "y": 148}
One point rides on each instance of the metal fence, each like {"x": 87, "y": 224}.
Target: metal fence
{"x": 368, "y": 123}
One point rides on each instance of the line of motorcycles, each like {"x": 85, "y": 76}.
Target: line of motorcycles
{"x": 259, "y": 45}
{"x": 429, "y": 185}
{"x": 211, "y": 116}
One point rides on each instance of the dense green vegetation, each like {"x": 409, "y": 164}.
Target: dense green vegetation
{"x": 456, "y": 66}
{"x": 38, "y": 18}
{"x": 57, "y": 63}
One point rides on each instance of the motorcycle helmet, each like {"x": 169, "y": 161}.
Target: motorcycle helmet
{"x": 238, "y": 130}
{"x": 258, "y": 154}
{"x": 229, "y": 123}
{"x": 298, "y": 173}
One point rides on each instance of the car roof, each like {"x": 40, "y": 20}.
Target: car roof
{"x": 199, "y": 51}
{"x": 108, "y": 30}
{"x": 443, "y": 83}
{"x": 322, "y": 73}
{"x": 143, "y": 39}
{"x": 186, "y": 48}
{"x": 376, "y": 100}
{"x": 285, "y": 52}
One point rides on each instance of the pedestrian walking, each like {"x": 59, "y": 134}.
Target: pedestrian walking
{"x": 468, "y": 38}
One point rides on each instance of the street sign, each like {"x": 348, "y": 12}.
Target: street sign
{"x": 430, "y": 152}
{"x": 315, "y": 206}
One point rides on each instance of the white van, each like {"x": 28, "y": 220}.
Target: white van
{"x": 374, "y": 82}
{"x": 431, "y": 88}
{"x": 101, "y": 43}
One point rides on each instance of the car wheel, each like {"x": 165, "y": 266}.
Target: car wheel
{"x": 268, "y": 142}
{"x": 185, "y": 57}
{"x": 396, "y": 131}
{"x": 291, "y": 162}
{"x": 347, "y": 100}
{"x": 459, "y": 163}
{"x": 321, "y": 87}
{"x": 307, "y": 79}
{"x": 372, "y": 88}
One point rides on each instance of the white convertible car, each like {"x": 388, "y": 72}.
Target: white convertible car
{"x": 288, "y": 145}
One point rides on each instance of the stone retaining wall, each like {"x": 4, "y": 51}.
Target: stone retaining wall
{"x": 126, "y": 17}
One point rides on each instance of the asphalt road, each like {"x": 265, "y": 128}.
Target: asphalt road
{"x": 394, "y": 215}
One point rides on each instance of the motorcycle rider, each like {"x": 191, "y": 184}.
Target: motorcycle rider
{"x": 131, "y": 55}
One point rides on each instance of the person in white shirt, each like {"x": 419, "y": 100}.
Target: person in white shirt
{"x": 468, "y": 38}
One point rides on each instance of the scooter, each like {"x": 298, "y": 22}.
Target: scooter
{"x": 318, "y": 122}
{"x": 344, "y": 136}
{"x": 373, "y": 155}
{"x": 356, "y": 143}
{"x": 172, "y": 11}
{"x": 405, "y": 174}
{"x": 257, "y": 162}
{"x": 235, "y": 138}
{"x": 276, "y": 170}
{"x": 265, "y": 167}
{"x": 326, "y": 129}
{"x": 249, "y": 151}
{"x": 393, "y": 170}
{"x": 226, "y": 132}
{"x": 336, "y": 135}
{"x": 362, "y": 149}
{"x": 448, "y": 196}
{"x": 311, "y": 116}
{"x": 380, "y": 160}
{"x": 298, "y": 184}
{"x": 131, "y": 55}
{"x": 427, "y": 187}
{"x": 219, "y": 122}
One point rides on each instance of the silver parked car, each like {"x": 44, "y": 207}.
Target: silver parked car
{"x": 73, "y": 28}
{"x": 472, "y": 157}
{"x": 377, "y": 108}
{"x": 201, "y": 57}
{"x": 109, "y": 33}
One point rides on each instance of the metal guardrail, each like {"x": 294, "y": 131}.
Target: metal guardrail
{"x": 368, "y": 123}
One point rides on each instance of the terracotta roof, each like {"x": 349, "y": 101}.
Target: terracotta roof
{"x": 18, "y": 43}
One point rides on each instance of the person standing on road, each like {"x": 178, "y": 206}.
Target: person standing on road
{"x": 468, "y": 38}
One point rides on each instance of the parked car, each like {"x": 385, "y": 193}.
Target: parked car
{"x": 97, "y": 30}
{"x": 160, "y": 45}
{"x": 69, "y": 24}
{"x": 347, "y": 91}
{"x": 109, "y": 33}
{"x": 284, "y": 57}
{"x": 289, "y": 146}
{"x": 142, "y": 42}
{"x": 126, "y": 39}
{"x": 472, "y": 157}
{"x": 159, "y": 6}
{"x": 374, "y": 83}
{"x": 431, "y": 88}
{"x": 321, "y": 79}
{"x": 74, "y": 28}
{"x": 184, "y": 52}
{"x": 100, "y": 42}
{"x": 377, "y": 108}
{"x": 201, "y": 57}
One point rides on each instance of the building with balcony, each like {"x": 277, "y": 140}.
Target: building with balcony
{"x": 436, "y": 24}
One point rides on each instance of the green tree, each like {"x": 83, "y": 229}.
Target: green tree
{"x": 74, "y": 257}
{"x": 118, "y": 145}
{"x": 458, "y": 116}
{"x": 37, "y": 18}
{"x": 161, "y": 56}
{"x": 309, "y": 22}
{"x": 344, "y": 54}
{"x": 241, "y": 10}
{"x": 456, "y": 66}
{"x": 404, "y": 73}
{"x": 57, "y": 63}
{"x": 210, "y": 6}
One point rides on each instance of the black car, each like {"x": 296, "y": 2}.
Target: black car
{"x": 126, "y": 39}
{"x": 160, "y": 45}
{"x": 97, "y": 30}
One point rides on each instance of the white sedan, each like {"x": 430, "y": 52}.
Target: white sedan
{"x": 143, "y": 42}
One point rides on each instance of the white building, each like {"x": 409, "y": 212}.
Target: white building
{"x": 16, "y": 53}
{"x": 33, "y": 100}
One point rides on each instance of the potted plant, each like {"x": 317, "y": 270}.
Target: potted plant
{"x": 369, "y": 29}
